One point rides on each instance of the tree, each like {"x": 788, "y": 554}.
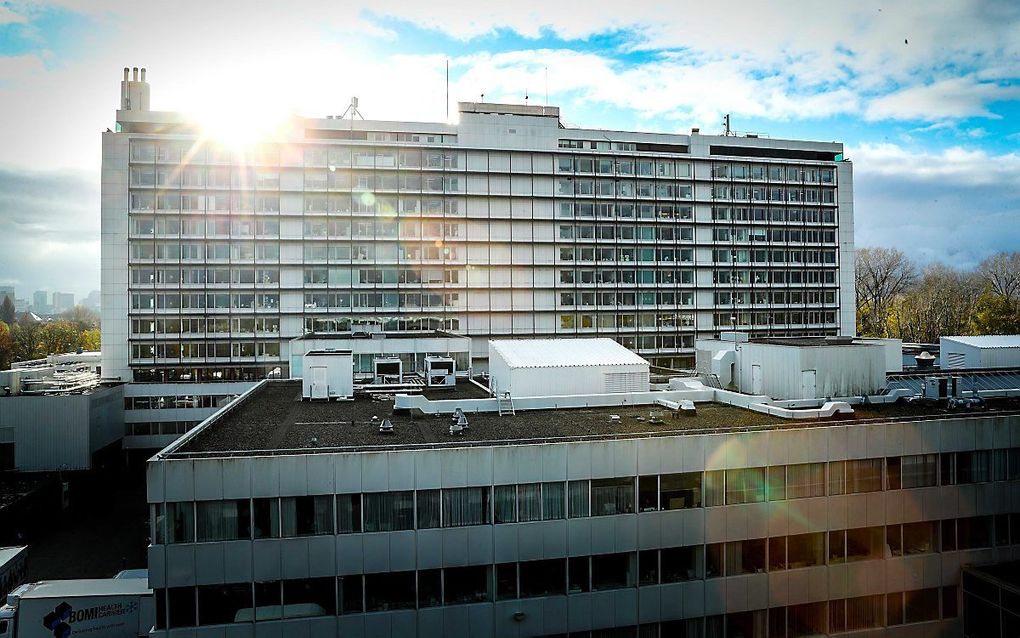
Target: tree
{"x": 89, "y": 340}
{"x": 942, "y": 303}
{"x": 25, "y": 334}
{"x": 7, "y": 311}
{"x": 1002, "y": 274}
{"x": 881, "y": 275}
{"x": 56, "y": 337}
{"x": 82, "y": 318}
{"x": 6, "y": 346}
{"x": 995, "y": 315}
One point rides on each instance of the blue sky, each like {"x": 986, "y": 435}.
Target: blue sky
{"x": 925, "y": 95}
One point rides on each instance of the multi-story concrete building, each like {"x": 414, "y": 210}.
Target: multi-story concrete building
{"x": 63, "y": 301}
{"x": 505, "y": 223}
{"x": 280, "y": 516}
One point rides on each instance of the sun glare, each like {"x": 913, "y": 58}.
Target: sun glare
{"x": 241, "y": 127}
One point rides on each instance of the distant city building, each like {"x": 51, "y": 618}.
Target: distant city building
{"x": 41, "y": 302}
{"x": 62, "y": 302}
{"x": 92, "y": 301}
{"x": 21, "y": 305}
{"x": 8, "y": 292}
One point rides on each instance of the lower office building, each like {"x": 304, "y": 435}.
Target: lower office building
{"x": 281, "y": 517}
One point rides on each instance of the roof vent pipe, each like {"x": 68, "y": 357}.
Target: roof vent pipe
{"x": 126, "y": 74}
{"x": 143, "y": 74}
{"x": 134, "y": 74}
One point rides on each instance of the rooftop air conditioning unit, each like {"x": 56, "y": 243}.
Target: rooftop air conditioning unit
{"x": 388, "y": 370}
{"x": 440, "y": 372}
{"x": 942, "y": 388}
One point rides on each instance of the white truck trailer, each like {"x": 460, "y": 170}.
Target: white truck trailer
{"x": 98, "y": 608}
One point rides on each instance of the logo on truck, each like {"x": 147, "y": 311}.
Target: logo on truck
{"x": 55, "y": 621}
{"x": 59, "y": 620}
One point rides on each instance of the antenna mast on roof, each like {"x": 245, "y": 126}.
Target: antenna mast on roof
{"x": 353, "y": 110}
{"x": 726, "y": 125}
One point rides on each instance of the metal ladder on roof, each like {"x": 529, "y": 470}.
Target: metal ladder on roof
{"x": 711, "y": 380}
{"x": 505, "y": 404}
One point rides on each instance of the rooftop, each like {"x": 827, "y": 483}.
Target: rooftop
{"x": 988, "y": 341}
{"x": 273, "y": 419}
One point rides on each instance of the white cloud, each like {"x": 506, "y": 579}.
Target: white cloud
{"x": 957, "y": 206}
{"x": 8, "y": 16}
{"x": 950, "y": 98}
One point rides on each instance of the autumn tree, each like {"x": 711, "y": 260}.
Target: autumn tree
{"x": 6, "y": 346}
{"x": 882, "y": 274}
{"x": 24, "y": 334}
{"x": 941, "y": 303}
{"x": 56, "y": 337}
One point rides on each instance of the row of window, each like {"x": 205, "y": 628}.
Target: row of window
{"x": 169, "y": 402}
{"x": 796, "y": 621}
{"x": 774, "y": 194}
{"x": 210, "y": 374}
{"x": 793, "y": 215}
{"x": 727, "y": 298}
{"x": 199, "y": 251}
{"x": 455, "y": 507}
{"x": 204, "y": 605}
{"x": 224, "y": 300}
{"x": 205, "y": 325}
{"x": 199, "y": 152}
{"x": 736, "y": 276}
{"x": 151, "y": 428}
{"x": 203, "y": 350}
{"x": 765, "y": 321}
{"x": 214, "y": 275}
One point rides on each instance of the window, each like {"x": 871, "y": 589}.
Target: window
{"x": 180, "y": 607}
{"x": 180, "y": 522}
{"x": 543, "y": 578}
{"x": 745, "y": 485}
{"x": 266, "y": 516}
{"x": 389, "y": 511}
{"x": 805, "y": 480}
{"x": 648, "y": 567}
{"x": 578, "y": 574}
{"x": 268, "y": 599}
{"x": 428, "y": 509}
{"x": 223, "y": 520}
{"x": 921, "y": 605}
{"x": 680, "y": 491}
{"x": 348, "y": 513}
{"x": 467, "y": 585}
{"x": 553, "y": 502}
{"x": 715, "y": 482}
{"x": 465, "y": 506}
{"x": 578, "y": 496}
{"x": 306, "y": 515}
{"x": 309, "y": 597}
{"x": 351, "y": 589}
{"x": 529, "y": 502}
{"x": 612, "y": 496}
{"x": 223, "y": 604}
{"x": 714, "y": 560}
{"x": 612, "y": 571}
{"x": 505, "y": 503}
{"x": 648, "y": 493}
{"x": 745, "y": 557}
{"x": 681, "y": 564}
{"x": 805, "y": 550}
{"x": 392, "y": 590}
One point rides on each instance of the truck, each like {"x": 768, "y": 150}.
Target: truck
{"x": 13, "y": 568}
{"x": 97, "y": 608}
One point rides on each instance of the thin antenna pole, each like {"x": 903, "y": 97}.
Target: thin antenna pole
{"x": 547, "y": 86}
{"x": 447, "y": 89}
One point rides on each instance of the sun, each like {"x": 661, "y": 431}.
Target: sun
{"x": 240, "y": 127}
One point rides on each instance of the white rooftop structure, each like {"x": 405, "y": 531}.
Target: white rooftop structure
{"x": 555, "y": 367}
{"x": 562, "y": 353}
{"x": 982, "y": 351}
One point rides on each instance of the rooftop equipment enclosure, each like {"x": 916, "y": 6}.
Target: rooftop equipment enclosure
{"x": 328, "y": 375}
{"x": 988, "y": 351}
{"x": 810, "y": 371}
{"x": 559, "y": 367}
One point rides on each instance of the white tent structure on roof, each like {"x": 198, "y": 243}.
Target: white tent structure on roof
{"x": 558, "y": 367}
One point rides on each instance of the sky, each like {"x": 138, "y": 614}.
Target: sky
{"x": 924, "y": 94}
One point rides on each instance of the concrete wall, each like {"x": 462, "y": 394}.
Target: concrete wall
{"x": 53, "y": 433}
